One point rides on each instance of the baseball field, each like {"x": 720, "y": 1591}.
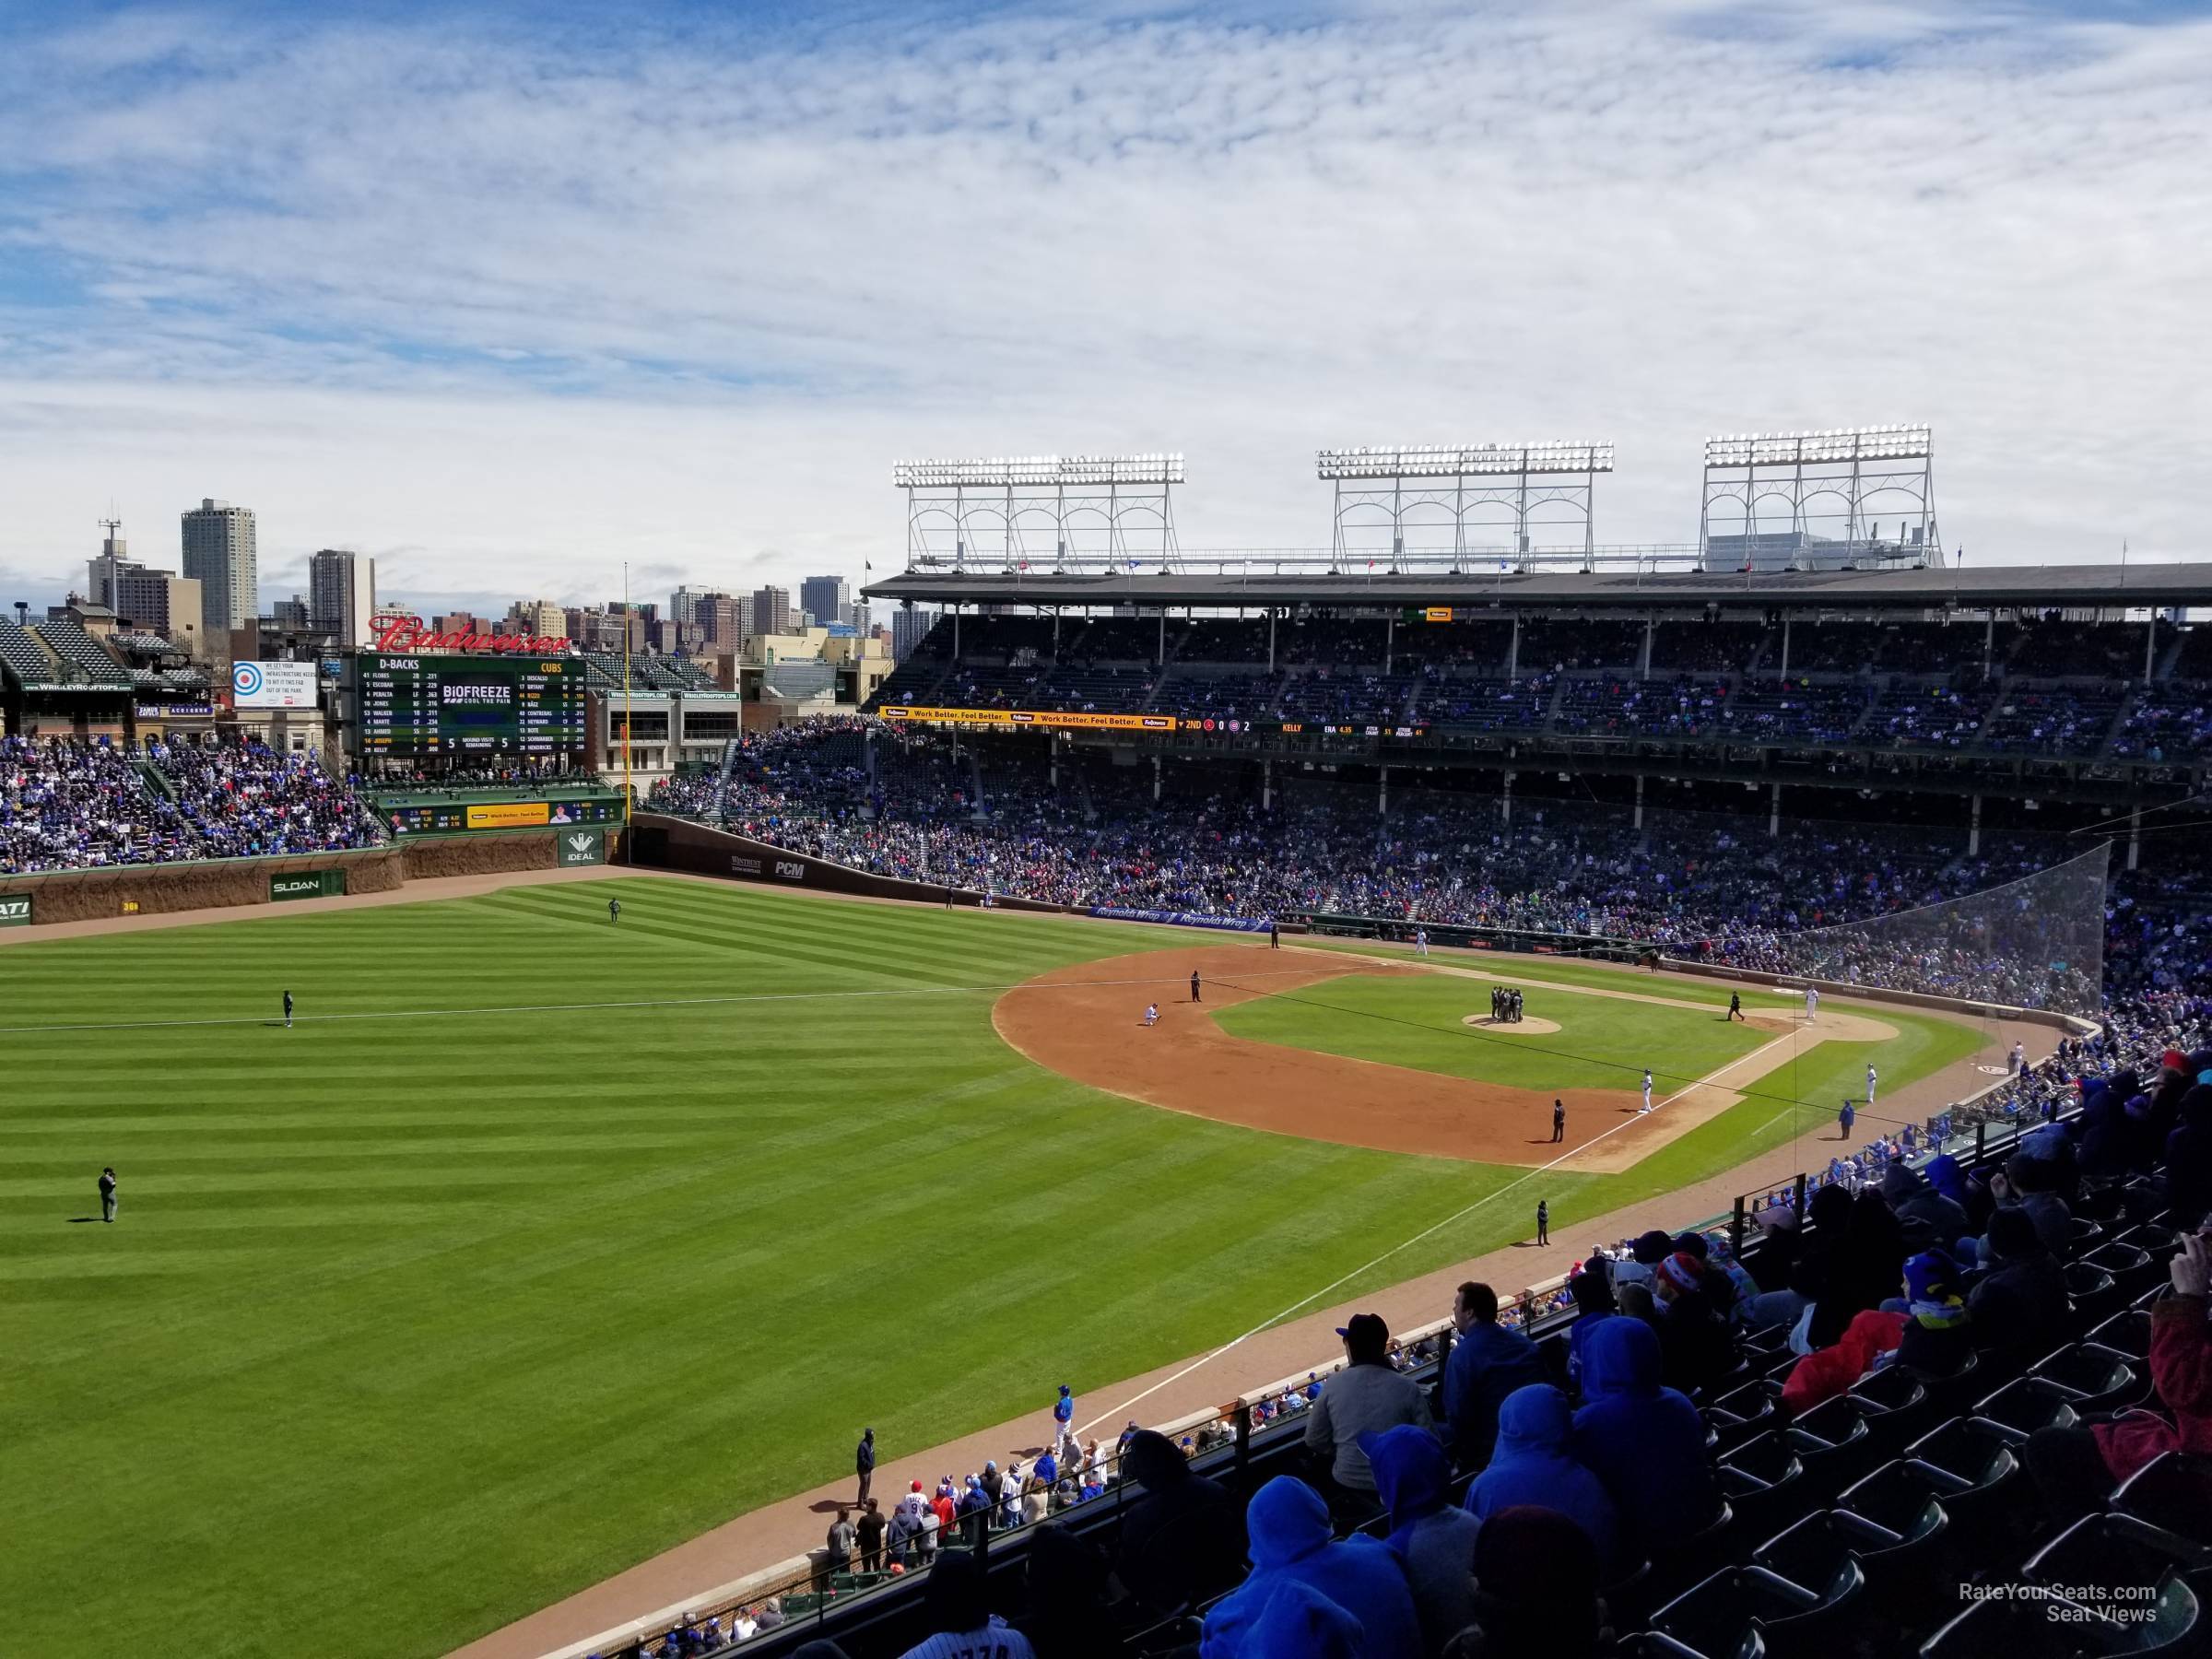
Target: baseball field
{"x": 541, "y": 1242}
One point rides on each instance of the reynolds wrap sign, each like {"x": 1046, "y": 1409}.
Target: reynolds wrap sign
{"x": 1114, "y": 912}
{"x": 14, "y": 910}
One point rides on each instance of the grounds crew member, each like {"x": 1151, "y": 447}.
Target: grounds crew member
{"x": 864, "y": 1463}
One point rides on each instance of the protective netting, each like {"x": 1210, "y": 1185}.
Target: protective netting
{"x": 2034, "y": 943}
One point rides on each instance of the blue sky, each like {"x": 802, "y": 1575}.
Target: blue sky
{"x": 510, "y": 298}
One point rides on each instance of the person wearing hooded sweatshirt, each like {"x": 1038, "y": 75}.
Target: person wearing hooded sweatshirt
{"x": 1920, "y": 1205}
{"x": 1532, "y": 1464}
{"x": 2021, "y": 1307}
{"x": 1182, "y": 1538}
{"x": 1594, "y": 1304}
{"x": 1646, "y": 1443}
{"x": 1302, "y": 1623}
{"x": 1289, "y": 1524}
{"x": 961, "y": 1624}
{"x": 1433, "y": 1541}
{"x": 2189, "y": 1159}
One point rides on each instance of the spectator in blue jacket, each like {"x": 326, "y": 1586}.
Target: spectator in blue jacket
{"x": 1433, "y": 1540}
{"x": 1291, "y": 1543}
{"x": 1532, "y": 1464}
{"x": 1488, "y": 1363}
{"x": 1646, "y": 1443}
{"x": 1301, "y": 1621}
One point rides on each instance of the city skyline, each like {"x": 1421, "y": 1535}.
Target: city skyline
{"x": 679, "y": 295}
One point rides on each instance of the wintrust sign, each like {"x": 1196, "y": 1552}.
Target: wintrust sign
{"x": 407, "y": 633}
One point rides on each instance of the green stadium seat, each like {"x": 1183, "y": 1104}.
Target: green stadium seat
{"x": 2097, "y": 1378}
{"x": 2172, "y": 1491}
{"x": 2025, "y": 1405}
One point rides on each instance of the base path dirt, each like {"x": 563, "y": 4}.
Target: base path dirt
{"x": 1088, "y": 1022}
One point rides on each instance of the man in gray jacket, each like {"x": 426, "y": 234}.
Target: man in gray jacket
{"x": 1365, "y": 1397}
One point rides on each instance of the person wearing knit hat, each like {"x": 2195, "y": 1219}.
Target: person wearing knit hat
{"x": 1677, "y": 1273}
{"x": 1937, "y": 1335}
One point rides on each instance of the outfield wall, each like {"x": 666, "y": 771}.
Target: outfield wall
{"x": 679, "y": 844}
{"x": 217, "y": 884}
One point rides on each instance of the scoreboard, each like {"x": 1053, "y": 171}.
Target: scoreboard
{"x": 410, "y": 706}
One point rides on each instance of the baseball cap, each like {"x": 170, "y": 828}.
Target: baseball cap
{"x": 1365, "y": 1330}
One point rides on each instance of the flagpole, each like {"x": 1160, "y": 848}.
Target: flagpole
{"x": 630, "y": 854}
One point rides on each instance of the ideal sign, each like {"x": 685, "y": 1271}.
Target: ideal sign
{"x": 582, "y": 847}
{"x": 407, "y": 633}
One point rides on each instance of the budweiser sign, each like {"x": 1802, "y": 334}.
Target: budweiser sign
{"x": 408, "y": 633}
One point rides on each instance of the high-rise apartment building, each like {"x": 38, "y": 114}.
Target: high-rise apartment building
{"x": 341, "y": 595}
{"x": 538, "y": 619}
{"x": 772, "y": 612}
{"x": 156, "y": 601}
{"x": 220, "y": 553}
{"x": 825, "y": 599}
{"x": 909, "y": 627}
{"x": 722, "y": 618}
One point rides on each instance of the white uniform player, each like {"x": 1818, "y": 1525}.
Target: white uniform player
{"x": 1812, "y": 1002}
{"x": 1647, "y": 1091}
{"x": 1420, "y": 941}
{"x": 1870, "y": 1087}
{"x": 1151, "y": 1014}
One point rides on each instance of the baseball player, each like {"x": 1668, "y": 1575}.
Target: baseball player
{"x": 2019, "y": 1058}
{"x": 1151, "y": 1014}
{"x": 1735, "y": 1007}
{"x": 1647, "y": 1091}
{"x": 1870, "y": 1086}
{"x": 1194, "y": 996}
{"x": 1420, "y": 941}
{"x": 288, "y": 1010}
{"x": 1812, "y": 1002}
{"x": 614, "y": 909}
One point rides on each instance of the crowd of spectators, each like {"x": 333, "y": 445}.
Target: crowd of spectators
{"x": 67, "y": 804}
{"x": 1908, "y": 687}
{"x": 1807, "y": 900}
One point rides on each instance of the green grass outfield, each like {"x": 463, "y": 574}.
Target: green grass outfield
{"x": 451, "y": 1300}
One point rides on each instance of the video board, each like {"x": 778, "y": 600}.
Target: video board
{"x": 410, "y": 706}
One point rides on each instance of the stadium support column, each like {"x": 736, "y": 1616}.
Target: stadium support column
{"x": 1989, "y": 640}
{"x": 1513, "y": 652}
{"x": 1639, "y": 800}
{"x": 1973, "y": 832}
{"x": 1163, "y": 636}
{"x": 2150, "y": 651}
{"x": 1390, "y": 640}
{"x": 1775, "y": 812}
{"x": 1505, "y": 800}
{"x": 1156, "y": 778}
{"x": 2135, "y": 839}
{"x": 1382, "y": 793}
{"x": 1268, "y": 785}
{"x": 1643, "y": 665}
{"x": 1785, "y": 648}
{"x": 1271, "y": 639}
{"x": 956, "y": 633}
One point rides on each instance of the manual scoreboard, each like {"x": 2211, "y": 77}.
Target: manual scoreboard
{"x": 428, "y": 704}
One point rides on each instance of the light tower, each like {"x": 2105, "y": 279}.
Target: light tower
{"x": 1765, "y": 493}
{"x": 1446, "y": 490}
{"x": 1110, "y": 511}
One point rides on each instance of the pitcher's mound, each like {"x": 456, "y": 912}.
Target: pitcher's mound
{"x": 1528, "y": 1025}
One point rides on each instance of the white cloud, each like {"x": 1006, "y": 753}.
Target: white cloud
{"x": 512, "y": 310}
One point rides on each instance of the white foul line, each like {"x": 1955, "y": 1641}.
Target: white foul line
{"x": 1206, "y": 1359}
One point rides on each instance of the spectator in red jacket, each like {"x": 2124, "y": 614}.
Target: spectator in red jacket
{"x": 2076, "y": 1469}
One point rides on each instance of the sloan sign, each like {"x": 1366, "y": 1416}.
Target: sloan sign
{"x": 407, "y": 633}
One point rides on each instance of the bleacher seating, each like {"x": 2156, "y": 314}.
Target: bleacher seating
{"x": 92, "y": 663}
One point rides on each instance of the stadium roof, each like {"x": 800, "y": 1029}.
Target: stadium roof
{"x": 2003, "y": 586}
